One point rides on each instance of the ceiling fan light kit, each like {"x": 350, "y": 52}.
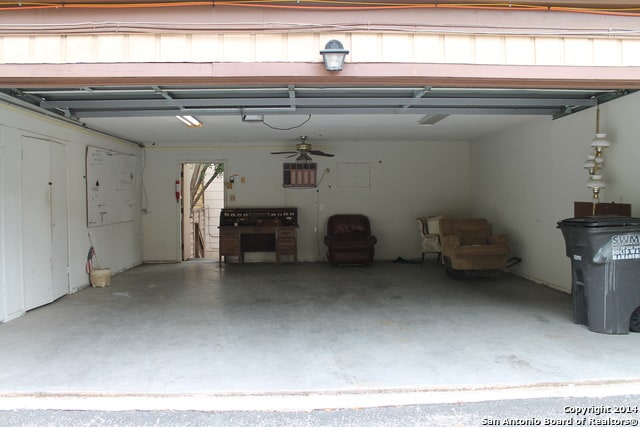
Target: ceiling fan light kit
{"x": 303, "y": 150}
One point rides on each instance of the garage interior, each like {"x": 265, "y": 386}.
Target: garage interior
{"x": 510, "y": 146}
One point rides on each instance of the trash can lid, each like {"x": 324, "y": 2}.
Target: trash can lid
{"x": 600, "y": 221}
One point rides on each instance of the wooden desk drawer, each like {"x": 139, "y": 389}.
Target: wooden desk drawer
{"x": 286, "y": 232}
{"x": 286, "y": 246}
{"x": 229, "y": 233}
{"x": 229, "y": 247}
{"x": 229, "y": 241}
{"x": 249, "y": 229}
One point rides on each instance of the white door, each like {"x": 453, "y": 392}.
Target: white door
{"x": 44, "y": 218}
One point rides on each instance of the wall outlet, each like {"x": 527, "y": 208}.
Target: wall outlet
{"x": 321, "y": 207}
{"x": 315, "y": 228}
{"x": 232, "y": 197}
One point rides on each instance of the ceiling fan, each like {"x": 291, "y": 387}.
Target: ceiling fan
{"x": 303, "y": 149}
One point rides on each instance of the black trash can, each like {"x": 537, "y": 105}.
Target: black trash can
{"x": 605, "y": 271}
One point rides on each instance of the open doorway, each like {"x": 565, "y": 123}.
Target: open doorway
{"x": 202, "y": 200}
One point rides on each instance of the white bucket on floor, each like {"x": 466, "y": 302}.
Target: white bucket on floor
{"x": 100, "y": 278}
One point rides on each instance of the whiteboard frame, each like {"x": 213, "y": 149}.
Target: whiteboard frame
{"x": 119, "y": 172}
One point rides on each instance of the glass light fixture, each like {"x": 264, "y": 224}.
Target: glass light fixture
{"x": 600, "y": 141}
{"x": 333, "y": 55}
{"x": 596, "y": 183}
{"x": 595, "y": 161}
{"x": 590, "y": 165}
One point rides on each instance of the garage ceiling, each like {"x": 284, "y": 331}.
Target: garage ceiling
{"x": 146, "y": 114}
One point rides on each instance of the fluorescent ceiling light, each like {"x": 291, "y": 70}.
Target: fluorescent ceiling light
{"x": 252, "y": 117}
{"x": 190, "y": 121}
{"x": 432, "y": 119}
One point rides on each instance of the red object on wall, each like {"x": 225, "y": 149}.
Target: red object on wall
{"x": 177, "y": 191}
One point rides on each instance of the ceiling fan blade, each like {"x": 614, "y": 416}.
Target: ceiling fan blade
{"x": 321, "y": 153}
{"x": 292, "y": 155}
{"x": 284, "y": 152}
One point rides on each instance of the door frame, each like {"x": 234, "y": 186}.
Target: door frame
{"x": 180, "y": 206}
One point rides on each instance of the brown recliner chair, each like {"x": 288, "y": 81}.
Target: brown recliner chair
{"x": 349, "y": 239}
{"x": 467, "y": 244}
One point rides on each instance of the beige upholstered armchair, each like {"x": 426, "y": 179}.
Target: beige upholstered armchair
{"x": 467, "y": 244}
{"x": 429, "y": 238}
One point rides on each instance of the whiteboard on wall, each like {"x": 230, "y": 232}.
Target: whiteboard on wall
{"x": 111, "y": 187}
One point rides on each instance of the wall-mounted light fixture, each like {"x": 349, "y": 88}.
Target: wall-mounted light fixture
{"x": 190, "y": 121}
{"x": 595, "y": 161}
{"x": 333, "y": 55}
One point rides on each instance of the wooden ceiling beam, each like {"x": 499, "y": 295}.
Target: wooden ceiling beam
{"x": 274, "y": 74}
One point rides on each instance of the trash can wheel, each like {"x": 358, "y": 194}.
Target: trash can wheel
{"x": 634, "y": 324}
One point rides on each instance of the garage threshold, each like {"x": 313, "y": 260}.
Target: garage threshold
{"x": 306, "y": 401}
{"x": 303, "y": 336}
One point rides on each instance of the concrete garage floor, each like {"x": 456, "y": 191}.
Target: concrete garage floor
{"x": 306, "y": 335}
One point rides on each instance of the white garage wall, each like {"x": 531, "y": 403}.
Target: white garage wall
{"x": 407, "y": 179}
{"x": 118, "y": 246}
{"x": 525, "y": 179}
